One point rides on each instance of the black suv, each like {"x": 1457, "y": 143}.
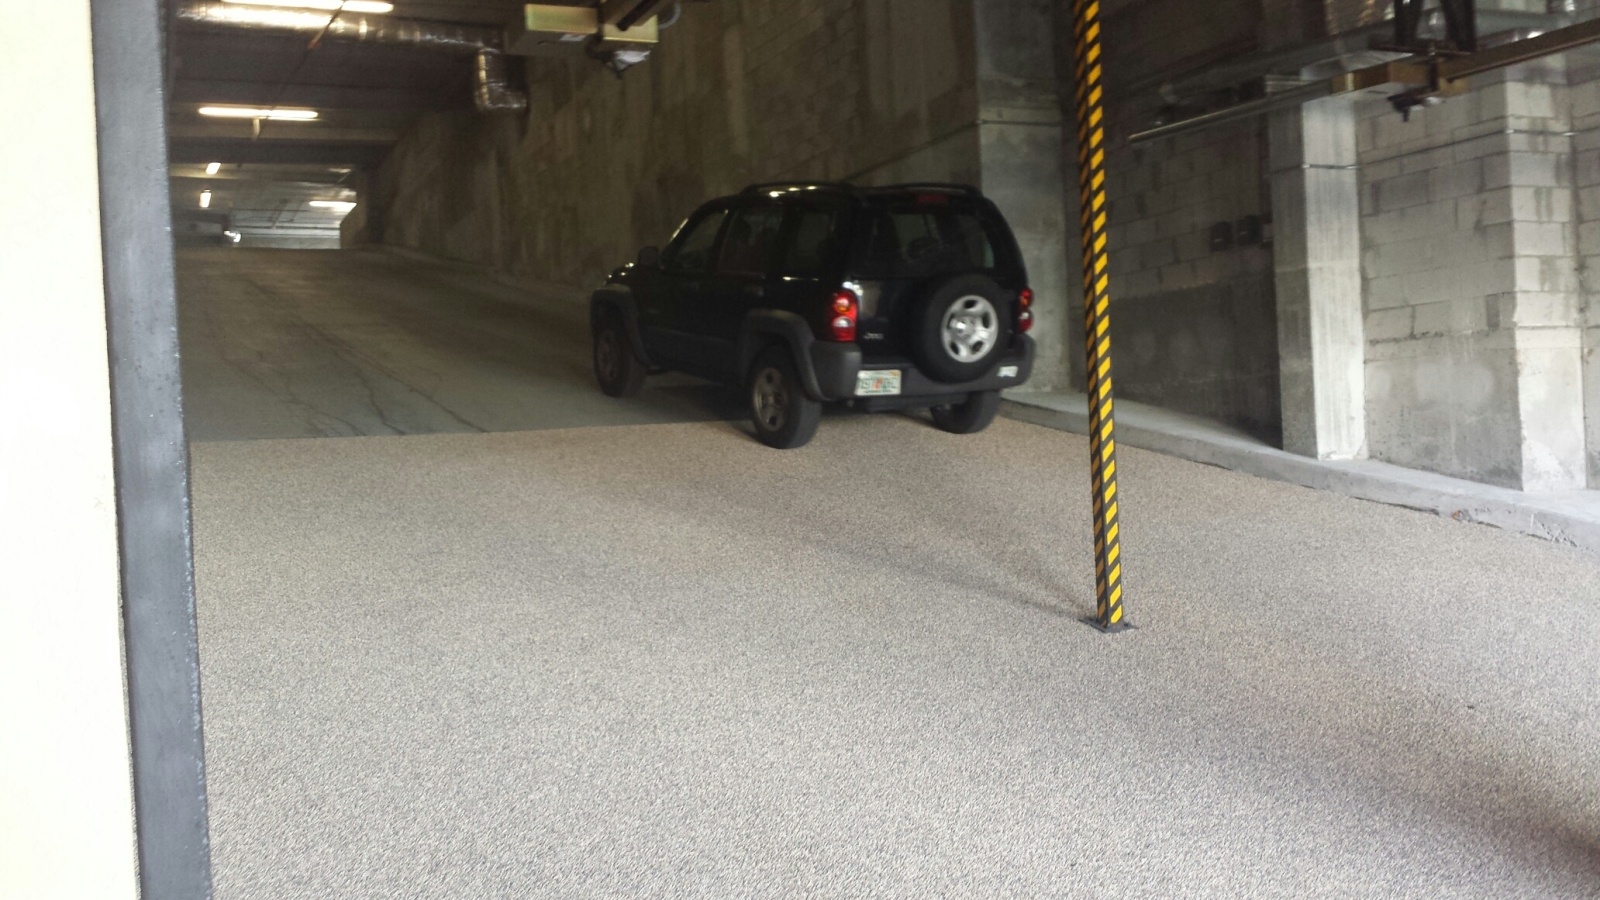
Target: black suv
{"x": 910, "y": 296}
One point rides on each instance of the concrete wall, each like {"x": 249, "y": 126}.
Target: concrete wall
{"x": 1196, "y": 329}
{"x": 66, "y": 799}
{"x": 1021, "y": 168}
{"x": 739, "y": 91}
{"x": 1584, "y": 96}
{"x": 1469, "y": 258}
{"x": 869, "y": 91}
{"x": 1478, "y": 220}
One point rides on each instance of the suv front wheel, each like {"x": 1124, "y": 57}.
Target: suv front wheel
{"x": 784, "y": 417}
{"x": 619, "y": 371}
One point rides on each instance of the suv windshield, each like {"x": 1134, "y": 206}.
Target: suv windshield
{"x": 919, "y": 237}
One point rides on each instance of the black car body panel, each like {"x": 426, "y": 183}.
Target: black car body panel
{"x": 762, "y": 267}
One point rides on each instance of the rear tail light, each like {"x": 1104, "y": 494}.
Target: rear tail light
{"x": 846, "y": 310}
{"x": 1025, "y": 310}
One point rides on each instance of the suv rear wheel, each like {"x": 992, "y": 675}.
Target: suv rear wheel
{"x": 618, "y": 369}
{"x": 968, "y": 417}
{"x": 961, "y": 327}
{"x": 784, "y": 417}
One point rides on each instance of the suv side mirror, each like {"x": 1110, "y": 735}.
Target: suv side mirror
{"x": 650, "y": 258}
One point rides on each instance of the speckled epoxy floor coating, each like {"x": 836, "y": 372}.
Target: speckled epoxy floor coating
{"x": 662, "y": 660}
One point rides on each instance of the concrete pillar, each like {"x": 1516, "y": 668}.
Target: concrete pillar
{"x": 66, "y": 800}
{"x": 1020, "y": 138}
{"x": 1592, "y": 391}
{"x": 1317, "y": 256}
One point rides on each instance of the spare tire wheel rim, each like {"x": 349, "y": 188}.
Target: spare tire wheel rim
{"x": 971, "y": 327}
{"x": 771, "y": 399}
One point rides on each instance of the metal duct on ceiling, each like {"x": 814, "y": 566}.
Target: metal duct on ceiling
{"x": 492, "y": 91}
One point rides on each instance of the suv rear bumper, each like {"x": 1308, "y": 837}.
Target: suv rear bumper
{"x": 837, "y": 366}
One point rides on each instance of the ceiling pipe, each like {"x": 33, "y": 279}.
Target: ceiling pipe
{"x": 641, "y": 11}
{"x": 491, "y": 92}
{"x": 1320, "y": 53}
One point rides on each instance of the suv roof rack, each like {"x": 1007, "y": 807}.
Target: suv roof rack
{"x": 847, "y": 188}
{"x": 925, "y": 186}
{"x": 799, "y": 185}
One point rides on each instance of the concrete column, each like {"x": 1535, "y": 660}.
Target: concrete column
{"x": 66, "y": 800}
{"x": 1020, "y": 138}
{"x": 1317, "y": 256}
{"x": 1591, "y": 391}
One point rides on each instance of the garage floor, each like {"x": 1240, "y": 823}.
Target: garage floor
{"x": 662, "y": 660}
{"x": 313, "y": 343}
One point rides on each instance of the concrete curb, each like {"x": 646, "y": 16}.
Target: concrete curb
{"x": 1568, "y": 517}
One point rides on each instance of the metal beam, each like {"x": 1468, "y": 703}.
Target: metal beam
{"x": 1416, "y": 77}
{"x": 361, "y": 154}
{"x": 642, "y": 9}
{"x": 285, "y": 131}
{"x": 242, "y": 92}
{"x": 1525, "y": 50}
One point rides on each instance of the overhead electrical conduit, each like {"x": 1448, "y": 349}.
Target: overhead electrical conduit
{"x": 491, "y": 91}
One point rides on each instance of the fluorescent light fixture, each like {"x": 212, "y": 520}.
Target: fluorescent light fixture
{"x": 213, "y": 168}
{"x": 355, "y": 6}
{"x": 341, "y": 205}
{"x": 205, "y": 199}
{"x": 250, "y": 112}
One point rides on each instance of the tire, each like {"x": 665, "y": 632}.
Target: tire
{"x": 969, "y": 417}
{"x": 617, "y": 367}
{"x": 960, "y": 328}
{"x": 783, "y": 416}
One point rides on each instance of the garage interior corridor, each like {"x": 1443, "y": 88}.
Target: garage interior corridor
{"x": 618, "y": 648}
{"x": 315, "y": 343}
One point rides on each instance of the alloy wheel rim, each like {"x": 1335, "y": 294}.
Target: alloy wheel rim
{"x": 770, "y": 399}
{"x": 971, "y": 327}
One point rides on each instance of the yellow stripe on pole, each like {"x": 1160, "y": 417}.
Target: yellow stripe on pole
{"x": 1089, "y": 94}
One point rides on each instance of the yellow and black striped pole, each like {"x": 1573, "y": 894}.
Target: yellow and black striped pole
{"x": 1097, "y": 315}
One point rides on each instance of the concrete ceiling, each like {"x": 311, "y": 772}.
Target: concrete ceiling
{"x": 259, "y": 200}
{"x": 366, "y": 94}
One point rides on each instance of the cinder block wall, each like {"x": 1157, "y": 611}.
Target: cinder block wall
{"x": 1470, "y": 234}
{"x": 1196, "y": 328}
{"x": 739, "y": 91}
{"x": 1585, "y": 98}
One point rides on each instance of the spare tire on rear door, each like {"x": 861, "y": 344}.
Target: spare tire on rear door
{"x": 960, "y": 328}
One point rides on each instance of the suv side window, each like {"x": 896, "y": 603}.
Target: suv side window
{"x": 690, "y": 252}
{"x": 811, "y": 233}
{"x": 752, "y": 236}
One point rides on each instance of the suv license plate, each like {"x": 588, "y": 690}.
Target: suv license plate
{"x": 882, "y": 383}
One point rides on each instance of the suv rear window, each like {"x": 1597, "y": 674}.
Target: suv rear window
{"x": 912, "y": 239}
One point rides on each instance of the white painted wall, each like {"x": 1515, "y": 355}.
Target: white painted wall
{"x": 66, "y": 800}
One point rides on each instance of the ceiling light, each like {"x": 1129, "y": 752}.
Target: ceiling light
{"x": 355, "y": 6}
{"x": 249, "y": 112}
{"x": 205, "y": 199}
{"x": 213, "y": 168}
{"x": 341, "y": 205}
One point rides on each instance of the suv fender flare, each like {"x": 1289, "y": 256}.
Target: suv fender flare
{"x": 827, "y": 370}
{"x": 620, "y": 299}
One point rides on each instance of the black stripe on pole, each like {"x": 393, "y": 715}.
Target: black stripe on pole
{"x": 1090, "y": 96}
